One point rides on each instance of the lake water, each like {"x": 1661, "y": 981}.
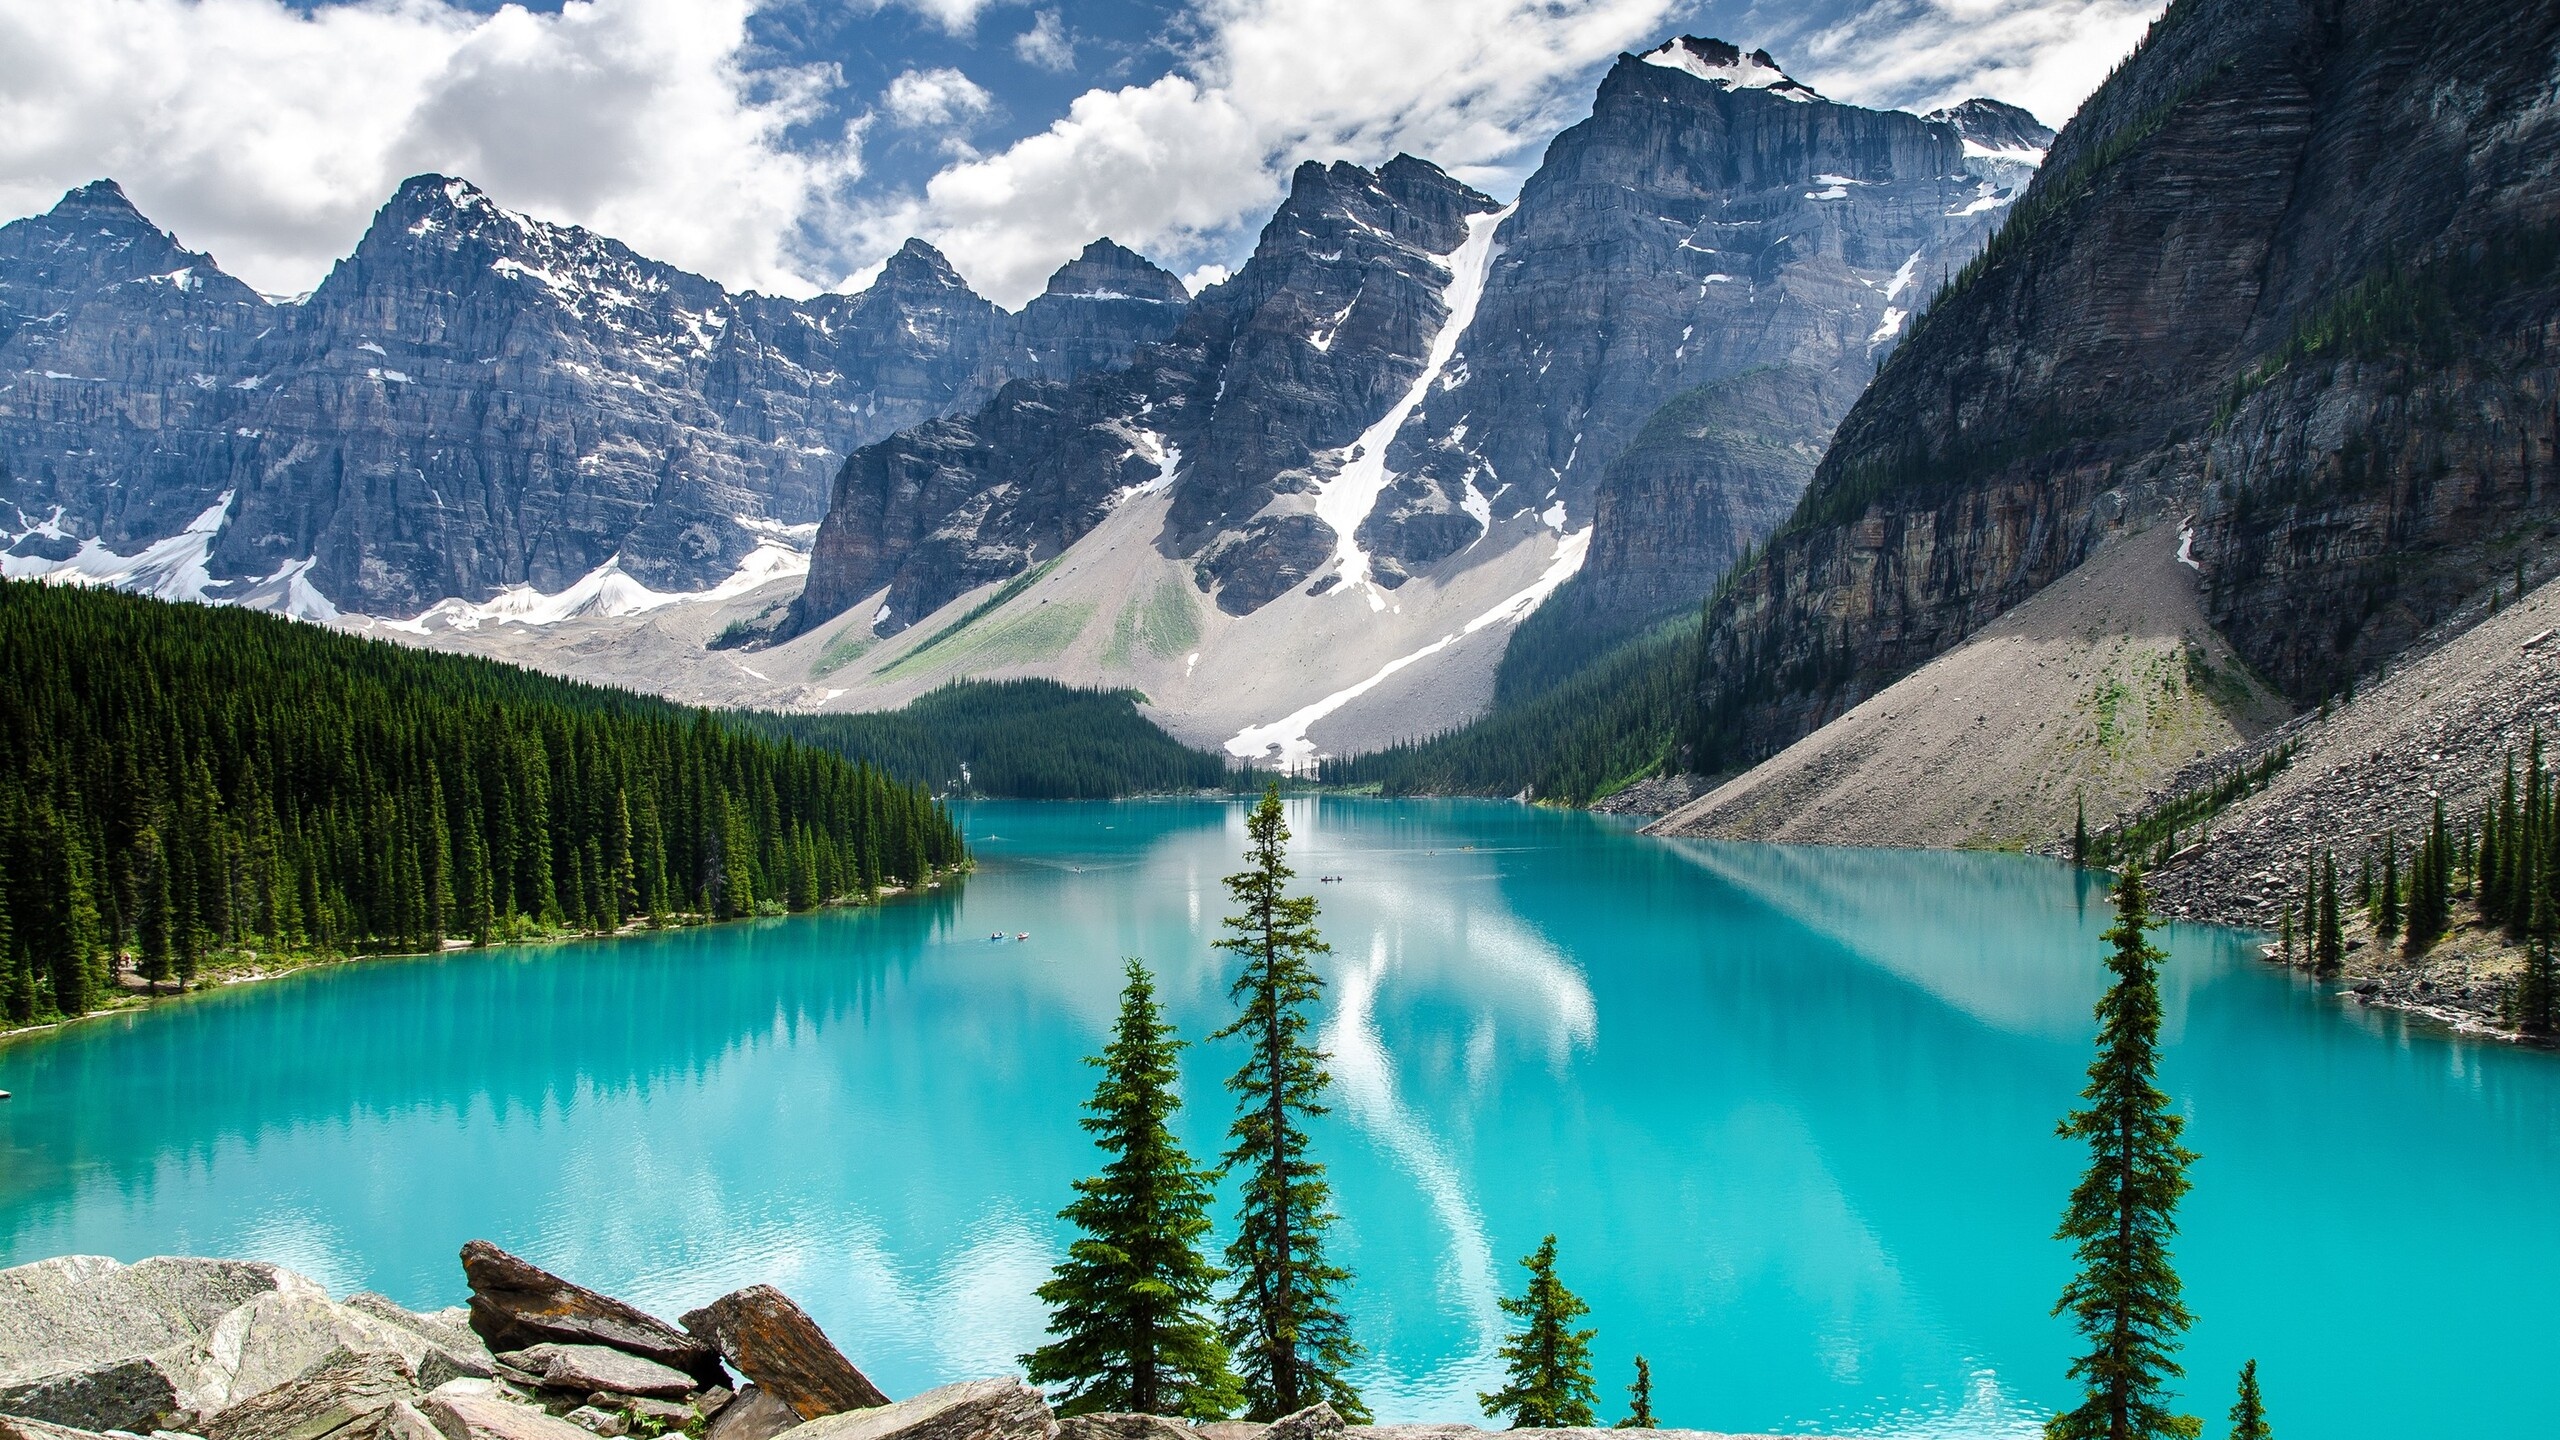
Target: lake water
{"x": 1789, "y": 1111}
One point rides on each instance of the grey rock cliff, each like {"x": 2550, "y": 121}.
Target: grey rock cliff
{"x": 1249, "y": 403}
{"x": 475, "y": 400}
{"x": 1712, "y": 217}
{"x": 2289, "y": 273}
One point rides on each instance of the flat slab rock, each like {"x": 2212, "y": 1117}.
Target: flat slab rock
{"x": 773, "y": 1342}
{"x": 754, "y": 1415}
{"x": 77, "y": 1311}
{"x": 480, "y": 1410}
{"x": 344, "y": 1397}
{"x": 590, "y": 1368}
{"x": 973, "y": 1410}
{"x": 516, "y": 1304}
{"x": 109, "y": 1328}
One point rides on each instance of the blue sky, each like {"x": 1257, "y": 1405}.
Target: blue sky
{"x": 790, "y": 144}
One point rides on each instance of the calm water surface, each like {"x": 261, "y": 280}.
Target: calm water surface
{"x": 1790, "y": 1113}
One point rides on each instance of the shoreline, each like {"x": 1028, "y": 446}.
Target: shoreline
{"x": 132, "y": 1001}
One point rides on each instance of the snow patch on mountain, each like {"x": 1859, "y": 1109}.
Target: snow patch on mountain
{"x": 1345, "y": 500}
{"x": 1722, "y": 64}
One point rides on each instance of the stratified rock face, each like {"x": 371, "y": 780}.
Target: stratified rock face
{"x": 1712, "y": 217}
{"x": 515, "y": 1304}
{"x": 773, "y": 1342}
{"x": 971, "y": 1410}
{"x": 1094, "y": 308}
{"x": 475, "y": 400}
{"x": 120, "y": 357}
{"x": 1714, "y": 471}
{"x": 1251, "y": 404}
{"x": 2291, "y": 271}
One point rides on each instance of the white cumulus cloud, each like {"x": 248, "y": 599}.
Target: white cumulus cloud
{"x": 269, "y": 136}
{"x": 2046, "y": 55}
{"x": 935, "y": 97}
{"x": 1185, "y": 165}
{"x": 1046, "y": 44}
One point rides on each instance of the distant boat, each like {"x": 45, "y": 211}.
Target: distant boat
{"x": 1025, "y": 935}
{"x": 997, "y": 936}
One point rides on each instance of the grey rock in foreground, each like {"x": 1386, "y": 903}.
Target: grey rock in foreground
{"x": 589, "y": 1368}
{"x": 774, "y": 1343}
{"x": 974, "y": 1410}
{"x": 480, "y": 1410}
{"x": 343, "y": 1397}
{"x": 515, "y": 1303}
{"x": 76, "y": 1311}
{"x": 1121, "y": 1425}
{"x": 754, "y": 1415}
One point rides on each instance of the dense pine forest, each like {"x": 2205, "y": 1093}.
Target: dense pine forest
{"x": 179, "y": 783}
{"x": 1018, "y": 739}
{"x": 1586, "y": 734}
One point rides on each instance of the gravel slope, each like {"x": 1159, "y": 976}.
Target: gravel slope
{"x": 2099, "y": 688}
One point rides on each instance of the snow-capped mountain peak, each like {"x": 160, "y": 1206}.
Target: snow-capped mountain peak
{"x": 1723, "y": 64}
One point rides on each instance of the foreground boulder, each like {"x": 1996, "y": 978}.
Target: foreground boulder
{"x": 92, "y": 1344}
{"x": 587, "y": 1369}
{"x": 481, "y": 1410}
{"x": 76, "y": 1311}
{"x": 1115, "y": 1425}
{"x": 1317, "y": 1422}
{"x": 975, "y": 1410}
{"x": 754, "y": 1415}
{"x": 516, "y": 1304}
{"x": 348, "y": 1396}
{"x": 773, "y": 1342}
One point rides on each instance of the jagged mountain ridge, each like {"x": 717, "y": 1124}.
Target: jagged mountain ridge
{"x": 1598, "y": 306}
{"x": 1289, "y": 359}
{"x": 474, "y": 401}
{"x": 2289, "y": 278}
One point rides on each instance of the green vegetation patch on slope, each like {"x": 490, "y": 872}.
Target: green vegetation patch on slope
{"x": 1021, "y": 739}
{"x": 1005, "y": 594}
{"x": 1586, "y": 737}
{"x": 179, "y": 782}
{"x": 1164, "y": 624}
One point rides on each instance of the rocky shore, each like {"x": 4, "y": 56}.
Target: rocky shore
{"x": 188, "y": 1349}
{"x": 2441, "y": 726}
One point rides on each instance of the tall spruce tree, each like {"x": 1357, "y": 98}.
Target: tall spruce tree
{"x": 1549, "y": 1361}
{"x": 1129, "y": 1303}
{"x": 2328, "y": 945}
{"x": 1283, "y": 1320}
{"x": 2122, "y": 1214}
{"x": 2249, "y": 1413}
{"x": 1640, "y": 1400}
{"x": 2386, "y": 916}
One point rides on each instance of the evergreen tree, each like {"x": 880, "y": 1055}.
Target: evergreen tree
{"x": 1127, "y": 1304}
{"x": 2328, "y": 945}
{"x": 2386, "y": 922}
{"x": 2538, "y": 989}
{"x": 1640, "y": 1400}
{"x": 2249, "y": 1413}
{"x": 2080, "y": 830}
{"x": 1549, "y": 1361}
{"x": 2125, "y": 1298}
{"x": 1282, "y": 1322}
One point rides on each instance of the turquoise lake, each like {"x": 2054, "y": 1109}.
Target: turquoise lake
{"x": 1790, "y": 1113}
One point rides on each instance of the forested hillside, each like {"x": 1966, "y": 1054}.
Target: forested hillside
{"x": 1574, "y": 739}
{"x": 1020, "y": 739}
{"x": 178, "y": 782}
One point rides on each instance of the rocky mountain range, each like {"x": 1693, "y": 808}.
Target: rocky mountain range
{"x": 1408, "y": 385}
{"x": 473, "y": 401}
{"x": 2287, "y": 282}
